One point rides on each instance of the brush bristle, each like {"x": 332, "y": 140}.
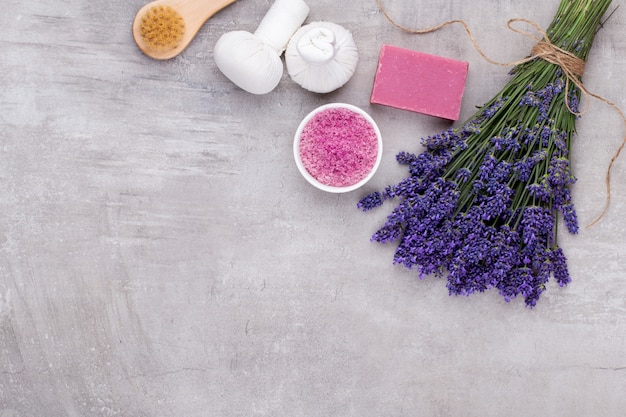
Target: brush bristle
{"x": 162, "y": 28}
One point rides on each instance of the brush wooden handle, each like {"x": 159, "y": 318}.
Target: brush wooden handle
{"x": 194, "y": 12}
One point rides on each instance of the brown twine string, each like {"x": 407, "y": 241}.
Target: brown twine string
{"x": 572, "y": 66}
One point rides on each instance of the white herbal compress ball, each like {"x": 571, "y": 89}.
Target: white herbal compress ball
{"x": 252, "y": 60}
{"x": 321, "y": 56}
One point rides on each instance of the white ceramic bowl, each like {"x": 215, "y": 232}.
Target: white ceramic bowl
{"x": 298, "y": 157}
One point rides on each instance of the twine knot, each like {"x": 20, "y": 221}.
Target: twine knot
{"x": 572, "y": 65}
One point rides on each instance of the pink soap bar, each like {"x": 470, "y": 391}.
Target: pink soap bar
{"x": 419, "y": 82}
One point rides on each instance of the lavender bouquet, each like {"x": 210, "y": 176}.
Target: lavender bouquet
{"x": 482, "y": 201}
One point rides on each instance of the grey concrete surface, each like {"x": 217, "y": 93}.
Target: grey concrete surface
{"x": 161, "y": 256}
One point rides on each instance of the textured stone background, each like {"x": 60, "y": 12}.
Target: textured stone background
{"x": 160, "y": 255}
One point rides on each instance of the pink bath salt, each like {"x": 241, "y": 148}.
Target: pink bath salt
{"x": 338, "y": 147}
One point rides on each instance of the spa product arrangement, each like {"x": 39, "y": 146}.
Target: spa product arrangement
{"x": 481, "y": 203}
{"x": 320, "y": 56}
